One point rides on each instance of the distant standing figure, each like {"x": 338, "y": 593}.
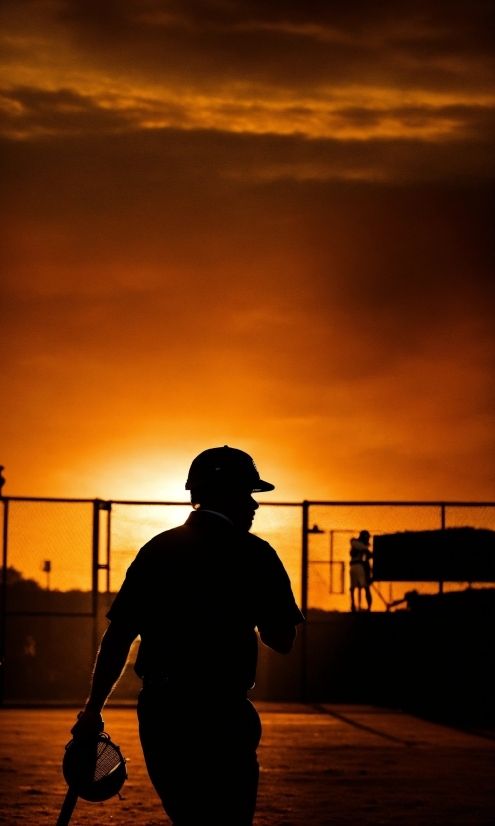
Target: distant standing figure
{"x": 360, "y": 569}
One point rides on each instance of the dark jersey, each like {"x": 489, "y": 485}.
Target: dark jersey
{"x": 195, "y": 595}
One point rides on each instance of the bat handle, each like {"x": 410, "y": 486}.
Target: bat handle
{"x": 68, "y": 807}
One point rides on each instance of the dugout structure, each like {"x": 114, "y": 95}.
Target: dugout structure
{"x": 448, "y": 555}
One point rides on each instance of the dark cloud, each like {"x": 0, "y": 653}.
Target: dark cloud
{"x": 287, "y": 43}
{"x": 52, "y": 117}
{"x": 35, "y": 113}
{"x": 436, "y": 46}
{"x": 376, "y": 73}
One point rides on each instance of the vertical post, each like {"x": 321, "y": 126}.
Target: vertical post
{"x": 331, "y": 560}
{"x": 304, "y": 597}
{"x": 304, "y": 561}
{"x": 94, "y": 570}
{"x": 442, "y": 555}
{"x": 3, "y": 607}
{"x": 109, "y": 537}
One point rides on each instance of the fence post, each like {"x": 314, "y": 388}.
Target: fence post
{"x": 442, "y": 558}
{"x": 304, "y": 598}
{"x": 105, "y": 566}
{"x": 109, "y": 537}
{"x": 3, "y": 608}
{"x": 94, "y": 571}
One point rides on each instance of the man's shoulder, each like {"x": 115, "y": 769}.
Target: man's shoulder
{"x": 166, "y": 540}
{"x": 171, "y": 542}
{"x": 262, "y": 551}
{"x": 257, "y": 543}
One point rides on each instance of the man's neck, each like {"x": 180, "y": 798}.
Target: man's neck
{"x": 217, "y": 513}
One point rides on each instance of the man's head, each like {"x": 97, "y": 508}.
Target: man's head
{"x": 222, "y": 479}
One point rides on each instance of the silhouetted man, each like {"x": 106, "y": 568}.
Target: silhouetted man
{"x": 195, "y": 595}
{"x": 360, "y": 568}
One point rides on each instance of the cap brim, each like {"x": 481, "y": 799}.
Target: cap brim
{"x": 263, "y": 487}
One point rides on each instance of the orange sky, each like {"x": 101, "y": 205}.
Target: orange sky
{"x": 261, "y": 224}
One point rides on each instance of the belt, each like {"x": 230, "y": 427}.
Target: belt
{"x": 155, "y": 680}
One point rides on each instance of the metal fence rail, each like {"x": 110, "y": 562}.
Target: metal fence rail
{"x": 63, "y": 559}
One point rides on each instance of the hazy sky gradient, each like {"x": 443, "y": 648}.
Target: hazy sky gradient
{"x": 261, "y": 224}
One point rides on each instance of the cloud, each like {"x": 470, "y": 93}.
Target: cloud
{"x": 350, "y": 115}
{"x": 69, "y": 120}
{"x": 379, "y": 74}
{"x": 259, "y": 222}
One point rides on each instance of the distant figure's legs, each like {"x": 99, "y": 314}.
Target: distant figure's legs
{"x": 369, "y": 598}
{"x": 361, "y": 580}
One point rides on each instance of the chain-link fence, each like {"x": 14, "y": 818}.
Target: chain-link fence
{"x": 63, "y": 560}
{"x": 48, "y": 605}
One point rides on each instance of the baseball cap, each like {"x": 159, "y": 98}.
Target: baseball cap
{"x": 225, "y": 466}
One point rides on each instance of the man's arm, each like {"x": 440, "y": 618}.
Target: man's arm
{"x": 110, "y": 662}
{"x": 280, "y": 639}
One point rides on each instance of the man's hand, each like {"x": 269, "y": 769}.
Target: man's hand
{"x": 89, "y": 725}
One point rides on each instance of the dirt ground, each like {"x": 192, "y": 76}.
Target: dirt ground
{"x": 320, "y": 766}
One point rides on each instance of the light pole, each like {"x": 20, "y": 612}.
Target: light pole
{"x": 47, "y": 568}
